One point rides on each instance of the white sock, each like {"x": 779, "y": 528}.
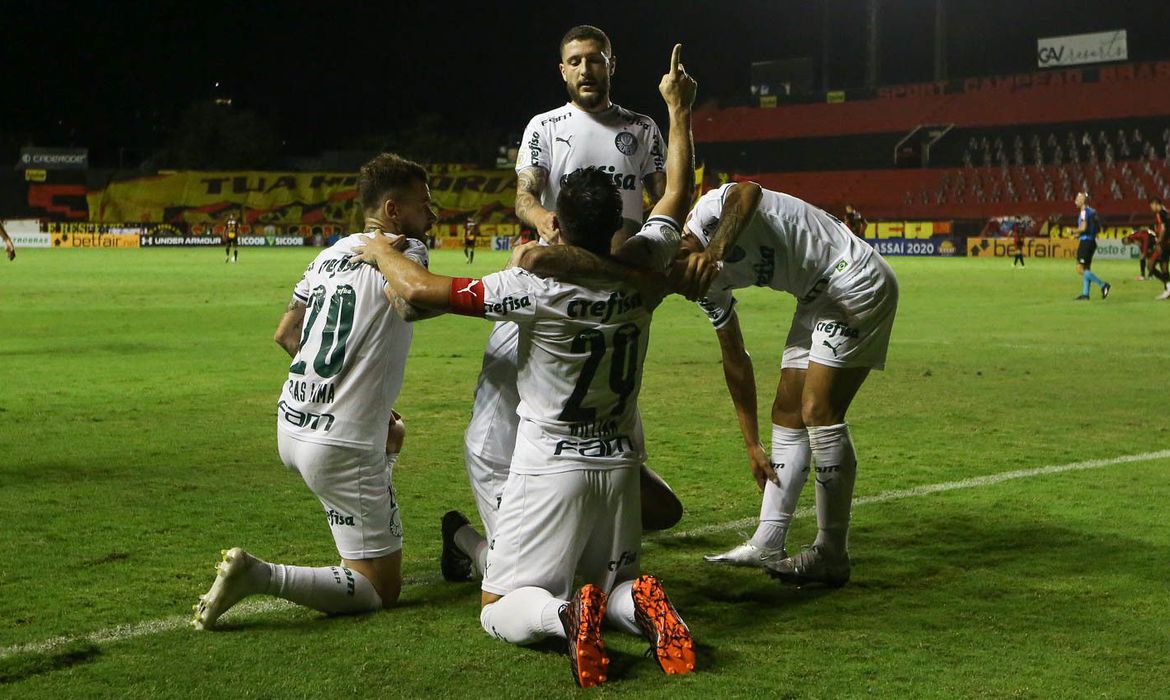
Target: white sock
{"x": 619, "y": 609}
{"x": 791, "y": 456}
{"x": 836, "y": 470}
{"x": 524, "y": 616}
{"x": 330, "y": 589}
{"x": 473, "y": 545}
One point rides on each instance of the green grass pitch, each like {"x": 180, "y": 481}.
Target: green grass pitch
{"x": 137, "y": 439}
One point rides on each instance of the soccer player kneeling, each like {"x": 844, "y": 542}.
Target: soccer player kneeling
{"x": 571, "y": 503}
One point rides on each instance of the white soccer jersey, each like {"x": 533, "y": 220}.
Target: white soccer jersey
{"x": 789, "y": 245}
{"x": 626, "y": 145}
{"x": 580, "y": 362}
{"x": 346, "y": 377}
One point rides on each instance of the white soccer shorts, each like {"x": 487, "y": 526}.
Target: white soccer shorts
{"x": 487, "y": 485}
{"x": 849, "y": 324}
{"x": 554, "y": 526}
{"x": 356, "y": 489}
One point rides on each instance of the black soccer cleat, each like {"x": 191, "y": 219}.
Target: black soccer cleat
{"x": 455, "y": 565}
{"x": 1105, "y": 290}
{"x": 1082, "y": 297}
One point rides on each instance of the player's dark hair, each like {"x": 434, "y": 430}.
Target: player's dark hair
{"x": 589, "y": 209}
{"x": 387, "y": 175}
{"x": 585, "y": 32}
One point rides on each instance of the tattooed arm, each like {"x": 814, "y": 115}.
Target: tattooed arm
{"x": 739, "y": 206}
{"x": 530, "y": 184}
{"x": 288, "y": 331}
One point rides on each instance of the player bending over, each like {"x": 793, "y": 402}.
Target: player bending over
{"x": 1160, "y": 251}
{"x": 335, "y": 423}
{"x": 846, "y": 300}
{"x": 571, "y": 505}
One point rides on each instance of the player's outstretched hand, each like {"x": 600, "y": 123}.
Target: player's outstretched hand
{"x": 10, "y": 250}
{"x": 371, "y": 247}
{"x": 761, "y": 466}
{"x": 677, "y": 88}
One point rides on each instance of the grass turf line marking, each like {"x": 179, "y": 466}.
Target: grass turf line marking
{"x": 265, "y": 605}
{"x": 973, "y": 482}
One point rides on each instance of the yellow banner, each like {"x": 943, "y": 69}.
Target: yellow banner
{"x": 904, "y": 229}
{"x": 287, "y": 198}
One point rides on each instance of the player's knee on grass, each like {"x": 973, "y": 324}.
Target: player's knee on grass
{"x": 385, "y": 573}
{"x": 661, "y": 508}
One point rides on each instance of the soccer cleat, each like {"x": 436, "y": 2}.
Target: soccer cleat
{"x": 234, "y": 581}
{"x": 670, "y": 639}
{"x": 1164, "y": 295}
{"x": 455, "y": 565}
{"x": 582, "y": 617}
{"x": 1105, "y": 290}
{"x": 747, "y": 554}
{"x": 1082, "y": 297}
{"x": 811, "y": 565}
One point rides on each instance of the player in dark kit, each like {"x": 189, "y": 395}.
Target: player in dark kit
{"x": 471, "y": 232}
{"x": 855, "y": 221}
{"x": 9, "y": 249}
{"x": 1018, "y": 244}
{"x": 1147, "y": 243}
{"x": 231, "y": 240}
{"x": 1160, "y": 253}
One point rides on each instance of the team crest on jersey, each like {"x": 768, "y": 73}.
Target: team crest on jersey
{"x": 737, "y": 253}
{"x": 626, "y": 142}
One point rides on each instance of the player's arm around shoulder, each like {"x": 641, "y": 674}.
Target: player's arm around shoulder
{"x": 409, "y": 281}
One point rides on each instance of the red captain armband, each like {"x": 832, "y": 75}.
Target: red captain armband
{"x": 466, "y": 296}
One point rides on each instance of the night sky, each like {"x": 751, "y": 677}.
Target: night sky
{"x": 119, "y": 74}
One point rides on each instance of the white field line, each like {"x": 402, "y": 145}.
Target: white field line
{"x": 259, "y": 606}
{"x": 928, "y": 489}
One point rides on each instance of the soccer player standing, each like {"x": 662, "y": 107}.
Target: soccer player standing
{"x": 9, "y": 248}
{"x": 348, "y": 335}
{"x": 231, "y": 240}
{"x": 1088, "y": 226}
{"x": 847, "y": 297}
{"x": 470, "y": 235}
{"x": 1160, "y": 259}
{"x": 571, "y": 501}
{"x": 590, "y": 131}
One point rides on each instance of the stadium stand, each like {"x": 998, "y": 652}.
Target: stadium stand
{"x": 1020, "y": 144}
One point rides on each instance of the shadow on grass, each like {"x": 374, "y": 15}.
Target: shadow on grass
{"x": 18, "y": 667}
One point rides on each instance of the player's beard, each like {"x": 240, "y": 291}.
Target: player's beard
{"x": 591, "y": 100}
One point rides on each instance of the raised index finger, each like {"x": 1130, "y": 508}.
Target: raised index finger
{"x": 674, "y": 57}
